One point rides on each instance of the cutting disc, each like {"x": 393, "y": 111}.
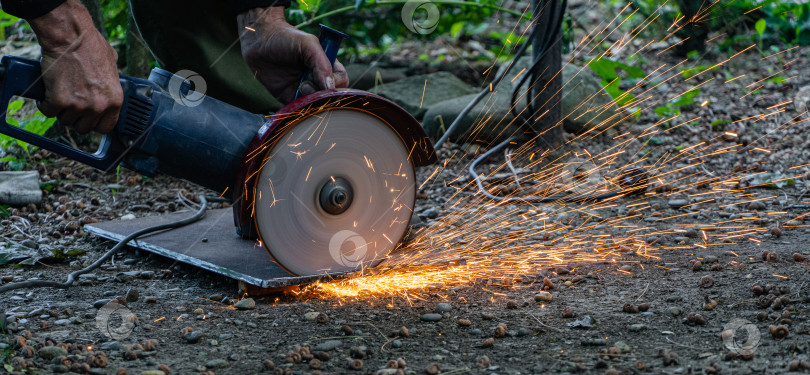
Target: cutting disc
{"x": 335, "y": 193}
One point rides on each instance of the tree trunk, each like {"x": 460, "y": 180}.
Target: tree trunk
{"x": 138, "y": 55}
{"x": 545, "y": 120}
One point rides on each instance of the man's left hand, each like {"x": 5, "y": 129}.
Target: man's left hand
{"x": 279, "y": 54}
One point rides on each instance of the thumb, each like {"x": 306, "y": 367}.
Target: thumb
{"x": 320, "y": 65}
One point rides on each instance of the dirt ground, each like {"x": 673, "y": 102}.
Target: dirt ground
{"x": 705, "y": 273}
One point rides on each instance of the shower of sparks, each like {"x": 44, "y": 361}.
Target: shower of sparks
{"x": 507, "y": 241}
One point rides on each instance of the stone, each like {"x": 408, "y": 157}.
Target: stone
{"x": 430, "y": 213}
{"x": 192, "y": 337}
{"x": 364, "y": 76}
{"x": 678, "y": 203}
{"x": 110, "y": 346}
{"x": 153, "y": 372}
{"x": 431, "y": 317}
{"x": 245, "y": 304}
{"x": 125, "y": 277}
{"x": 51, "y": 352}
{"x": 623, "y": 346}
{"x": 132, "y": 295}
{"x": 62, "y": 322}
{"x": 19, "y": 188}
{"x": 328, "y": 345}
{"x": 638, "y": 327}
{"x": 443, "y": 308}
{"x": 408, "y": 92}
{"x": 584, "y": 105}
{"x": 216, "y": 363}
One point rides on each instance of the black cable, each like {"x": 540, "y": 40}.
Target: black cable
{"x": 550, "y": 34}
{"x": 495, "y": 82}
{"x": 120, "y": 245}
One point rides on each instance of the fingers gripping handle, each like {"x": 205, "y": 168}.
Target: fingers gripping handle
{"x": 23, "y": 77}
{"x": 330, "y": 42}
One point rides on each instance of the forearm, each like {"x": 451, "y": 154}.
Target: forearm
{"x": 256, "y": 17}
{"x": 62, "y": 27}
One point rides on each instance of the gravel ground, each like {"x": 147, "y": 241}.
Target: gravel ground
{"x": 706, "y": 272}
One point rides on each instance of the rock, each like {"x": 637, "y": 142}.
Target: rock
{"x": 153, "y": 372}
{"x": 756, "y": 206}
{"x": 430, "y": 317}
{"x": 216, "y": 363}
{"x": 678, "y": 203}
{"x": 675, "y": 311}
{"x": 397, "y": 343}
{"x": 328, "y": 345}
{"x": 192, "y": 337}
{"x": 125, "y": 277}
{"x": 128, "y": 217}
{"x": 494, "y": 125}
{"x": 110, "y": 346}
{"x": 132, "y": 295}
{"x": 20, "y": 188}
{"x": 622, "y": 346}
{"x": 801, "y": 102}
{"x": 408, "y": 92}
{"x": 543, "y": 296}
{"x": 443, "y": 308}
{"x": 147, "y": 275}
{"x": 578, "y": 113}
{"x": 638, "y": 327}
{"x": 430, "y": 213}
{"x": 51, "y": 352}
{"x": 364, "y": 76}
{"x": 62, "y": 322}
{"x": 245, "y": 304}
{"x": 584, "y": 323}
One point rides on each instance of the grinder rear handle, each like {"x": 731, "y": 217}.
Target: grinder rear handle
{"x": 22, "y": 77}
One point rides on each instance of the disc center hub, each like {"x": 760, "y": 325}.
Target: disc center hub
{"x": 336, "y": 195}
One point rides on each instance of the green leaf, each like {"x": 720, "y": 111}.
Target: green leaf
{"x": 8, "y": 367}
{"x": 760, "y": 26}
{"x": 687, "y": 98}
{"x": 455, "y": 30}
{"x": 3, "y": 259}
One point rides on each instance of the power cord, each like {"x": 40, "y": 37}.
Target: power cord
{"x": 115, "y": 249}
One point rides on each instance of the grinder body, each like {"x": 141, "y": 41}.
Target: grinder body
{"x": 163, "y": 126}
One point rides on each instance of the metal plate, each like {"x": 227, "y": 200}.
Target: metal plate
{"x": 223, "y": 252}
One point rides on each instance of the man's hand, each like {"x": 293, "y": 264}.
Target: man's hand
{"x": 78, "y": 69}
{"x": 279, "y": 54}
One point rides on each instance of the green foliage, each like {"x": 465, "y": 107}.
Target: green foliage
{"x": 35, "y": 123}
{"x": 609, "y": 70}
{"x": 6, "y": 21}
{"x": 115, "y": 19}
{"x": 673, "y": 107}
{"x": 375, "y": 24}
{"x": 720, "y": 124}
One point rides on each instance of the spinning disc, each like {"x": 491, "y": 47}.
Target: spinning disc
{"x": 335, "y": 194}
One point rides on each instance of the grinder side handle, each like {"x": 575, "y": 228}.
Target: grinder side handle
{"x": 22, "y": 77}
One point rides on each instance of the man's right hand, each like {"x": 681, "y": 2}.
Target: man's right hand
{"x": 79, "y": 70}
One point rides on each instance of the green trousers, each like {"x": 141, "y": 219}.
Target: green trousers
{"x": 202, "y": 36}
